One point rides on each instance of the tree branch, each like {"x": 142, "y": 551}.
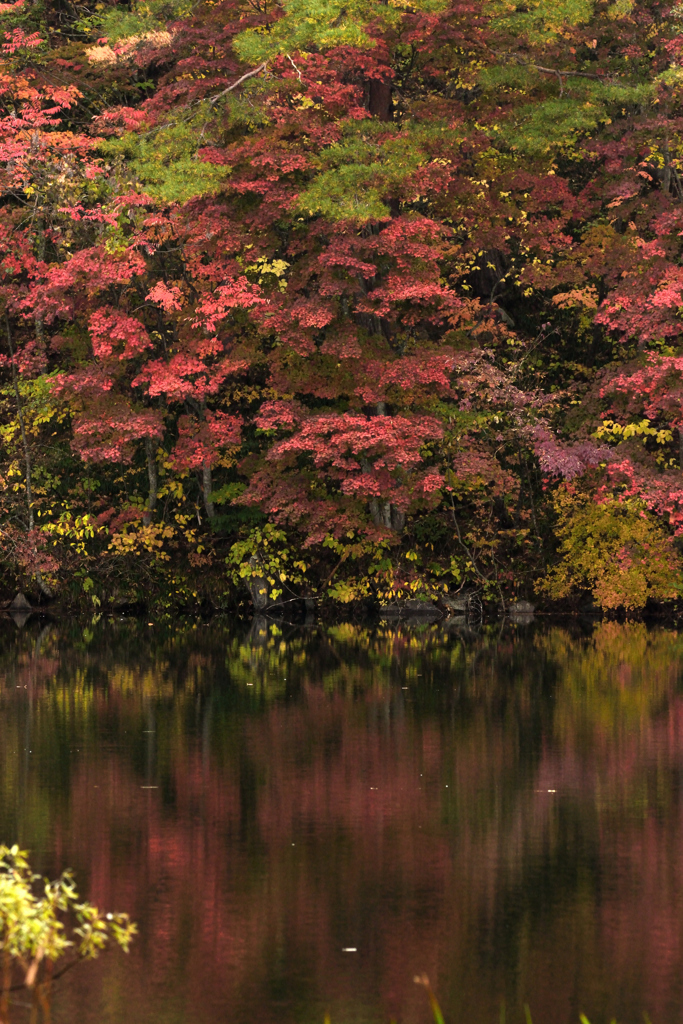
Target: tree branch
{"x": 559, "y": 74}
{"x": 249, "y": 74}
{"x": 473, "y": 563}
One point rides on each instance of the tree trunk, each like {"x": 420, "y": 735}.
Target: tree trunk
{"x": 383, "y": 513}
{"x": 40, "y": 253}
{"x": 258, "y": 585}
{"x": 398, "y": 520}
{"x": 379, "y": 99}
{"x": 666, "y": 180}
{"x": 153, "y": 483}
{"x": 206, "y": 490}
{"x": 27, "y": 456}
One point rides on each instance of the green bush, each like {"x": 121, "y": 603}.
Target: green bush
{"x": 43, "y": 922}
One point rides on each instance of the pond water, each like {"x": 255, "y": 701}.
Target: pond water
{"x": 501, "y": 810}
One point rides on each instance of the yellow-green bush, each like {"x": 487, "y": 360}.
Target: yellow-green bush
{"x": 615, "y": 550}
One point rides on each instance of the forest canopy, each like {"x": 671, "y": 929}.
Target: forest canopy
{"x": 364, "y": 298}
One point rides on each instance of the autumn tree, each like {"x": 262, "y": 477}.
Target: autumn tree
{"x": 368, "y": 282}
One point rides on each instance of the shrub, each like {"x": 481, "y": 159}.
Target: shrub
{"x": 43, "y": 922}
{"x": 615, "y": 550}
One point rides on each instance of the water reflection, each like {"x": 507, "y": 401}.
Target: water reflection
{"x": 500, "y": 811}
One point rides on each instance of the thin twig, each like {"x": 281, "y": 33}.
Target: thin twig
{"x": 293, "y": 65}
{"x": 211, "y": 100}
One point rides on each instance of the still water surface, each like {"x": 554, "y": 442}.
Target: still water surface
{"x": 502, "y": 811}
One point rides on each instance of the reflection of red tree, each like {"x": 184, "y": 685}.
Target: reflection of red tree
{"x": 220, "y": 891}
{"x": 622, "y": 938}
{"x": 644, "y": 932}
{"x": 425, "y": 840}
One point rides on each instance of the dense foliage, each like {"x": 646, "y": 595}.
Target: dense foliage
{"x": 363, "y": 298}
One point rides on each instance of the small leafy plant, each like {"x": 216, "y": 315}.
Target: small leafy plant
{"x": 42, "y": 923}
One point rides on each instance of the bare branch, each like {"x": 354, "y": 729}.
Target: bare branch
{"x": 249, "y": 74}
{"x": 557, "y": 72}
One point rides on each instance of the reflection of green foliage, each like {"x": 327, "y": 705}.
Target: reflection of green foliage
{"x": 616, "y": 681}
{"x": 612, "y": 689}
{"x": 588, "y": 692}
